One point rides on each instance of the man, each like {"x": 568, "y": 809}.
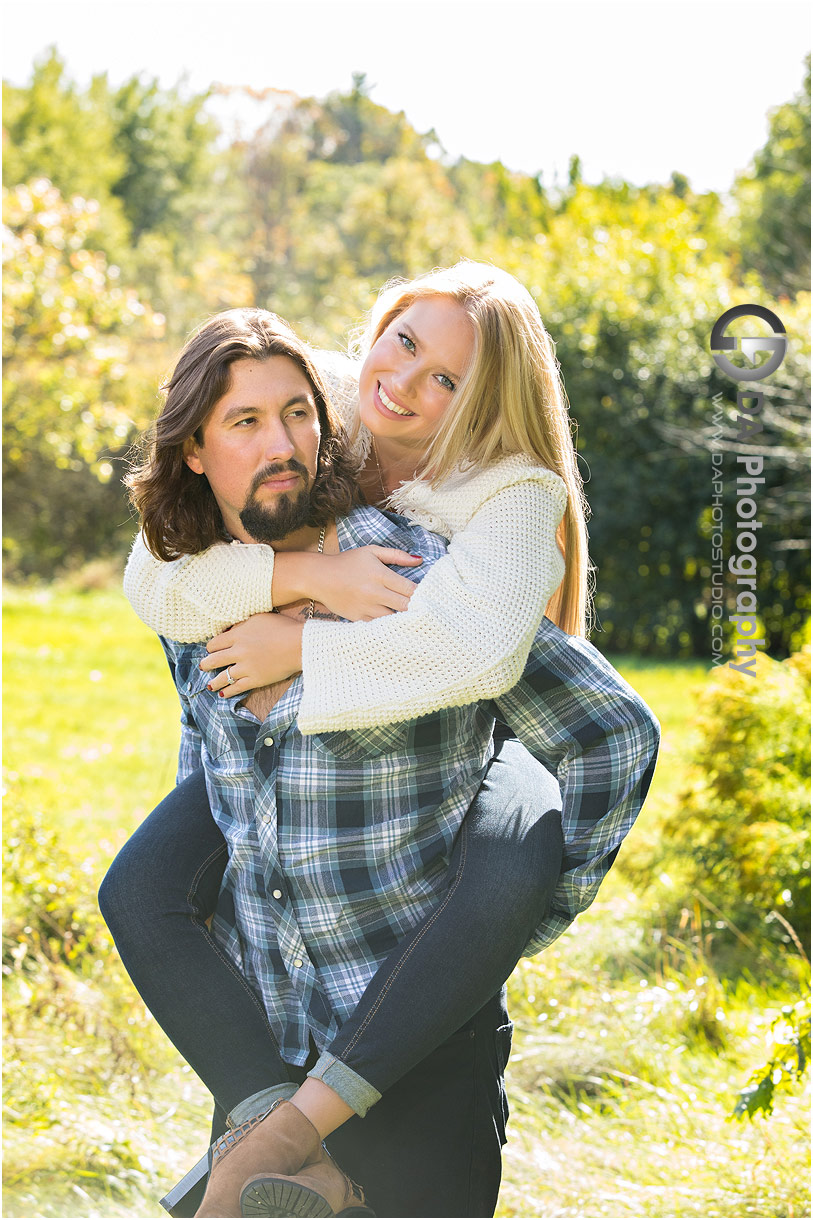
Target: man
{"x": 319, "y": 886}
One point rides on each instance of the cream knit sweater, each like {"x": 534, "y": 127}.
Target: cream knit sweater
{"x": 470, "y": 623}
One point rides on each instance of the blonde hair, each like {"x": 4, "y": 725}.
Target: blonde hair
{"x": 510, "y": 400}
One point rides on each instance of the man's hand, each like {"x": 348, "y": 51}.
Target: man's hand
{"x": 265, "y": 649}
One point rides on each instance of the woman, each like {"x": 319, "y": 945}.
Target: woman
{"x": 460, "y": 409}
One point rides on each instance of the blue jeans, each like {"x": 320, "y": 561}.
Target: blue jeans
{"x": 433, "y": 1144}
{"x": 164, "y": 884}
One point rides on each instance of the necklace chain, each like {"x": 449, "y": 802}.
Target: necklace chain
{"x": 319, "y": 550}
{"x": 384, "y": 492}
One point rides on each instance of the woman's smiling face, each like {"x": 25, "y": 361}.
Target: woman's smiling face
{"x": 413, "y": 368}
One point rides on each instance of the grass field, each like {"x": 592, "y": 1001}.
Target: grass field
{"x": 627, "y": 1055}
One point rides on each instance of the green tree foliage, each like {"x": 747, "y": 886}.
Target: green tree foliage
{"x": 631, "y": 320}
{"x": 351, "y": 129}
{"x": 115, "y": 202}
{"x": 740, "y": 834}
{"x": 774, "y": 200}
{"x": 647, "y": 276}
{"x": 184, "y": 220}
{"x": 146, "y": 155}
{"x": 79, "y": 372}
{"x": 166, "y": 144}
{"x": 329, "y": 198}
{"x": 70, "y": 330}
{"x": 148, "y": 159}
{"x": 56, "y": 131}
{"x": 339, "y": 196}
{"x": 496, "y": 201}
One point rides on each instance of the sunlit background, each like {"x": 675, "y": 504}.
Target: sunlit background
{"x": 636, "y": 90}
{"x": 641, "y": 168}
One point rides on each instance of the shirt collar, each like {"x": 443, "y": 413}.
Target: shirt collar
{"x": 363, "y": 526}
{"x": 356, "y": 529}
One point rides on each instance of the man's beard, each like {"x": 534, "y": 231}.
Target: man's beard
{"x": 270, "y": 524}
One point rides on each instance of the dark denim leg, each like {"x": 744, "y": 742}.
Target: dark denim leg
{"x": 504, "y": 870}
{"x": 432, "y": 1145}
{"x": 155, "y": 899}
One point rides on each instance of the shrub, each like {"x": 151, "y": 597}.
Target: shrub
{"x": 787, "y": 1062}
{"x": 739, "y": 836}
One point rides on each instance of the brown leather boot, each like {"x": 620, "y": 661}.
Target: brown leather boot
{"x": 320, "y": 1188}
{"x": 281, "y": 1141}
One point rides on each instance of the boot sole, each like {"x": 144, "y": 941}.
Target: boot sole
{"x": 271, "y": 1197}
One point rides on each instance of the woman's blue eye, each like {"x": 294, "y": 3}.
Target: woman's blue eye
{"x": 406, "y": 341}
{"x": 445, "y": 381}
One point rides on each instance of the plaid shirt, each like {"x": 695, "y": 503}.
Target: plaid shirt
{"x": 339, "y": 842}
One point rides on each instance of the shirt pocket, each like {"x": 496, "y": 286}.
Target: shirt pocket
{"x": 357, "y": 744}
{"x": 217, "y": 725}
{"x": 436, "y": 735}
{"x": 228, "y": 761}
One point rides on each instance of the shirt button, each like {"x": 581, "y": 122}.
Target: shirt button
{"x": 277, "y": 893}
{"x": 298, "y": 962}
{"x": 268, "y": 741}
{"x": 267, "y": 817}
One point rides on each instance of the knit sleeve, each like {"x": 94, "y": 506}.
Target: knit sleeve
{"x": 197, "y": 596}
{"x": 467, "y": 632}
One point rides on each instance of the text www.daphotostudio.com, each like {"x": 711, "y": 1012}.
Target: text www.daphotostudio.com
{"x": 742, "y": 564}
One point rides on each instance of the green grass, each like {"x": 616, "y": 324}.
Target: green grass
{"x": 626, "y": 1059}
{"x": 90, "y": 713}
{"x": 670, "y": 690}
{"x": 621, "y": 1082}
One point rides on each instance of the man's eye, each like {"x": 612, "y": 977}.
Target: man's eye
{"x": 249, "y": 419}
{"x": 299, "y": 413}
{"x": 406, "y": 341}
{"x": 445, "y": 381}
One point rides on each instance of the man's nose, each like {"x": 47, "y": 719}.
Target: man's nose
{"x": 277, "y": 443}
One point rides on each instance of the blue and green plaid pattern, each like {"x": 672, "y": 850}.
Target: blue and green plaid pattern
{"x": 339, "y": 842}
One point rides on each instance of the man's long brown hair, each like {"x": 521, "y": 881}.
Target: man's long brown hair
{"x": 178, "y": 510}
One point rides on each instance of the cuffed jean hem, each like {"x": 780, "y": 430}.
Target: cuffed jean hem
{"x": 353, "y": 1089}
{"x": 258, "y": 1103}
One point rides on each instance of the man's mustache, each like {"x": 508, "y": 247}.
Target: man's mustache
{"x": 276, "y": 468}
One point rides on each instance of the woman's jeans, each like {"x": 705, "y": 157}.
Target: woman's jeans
{"x": 164, "y": 885}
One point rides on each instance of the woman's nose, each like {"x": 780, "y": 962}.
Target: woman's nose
{"x": 404, "y": 382}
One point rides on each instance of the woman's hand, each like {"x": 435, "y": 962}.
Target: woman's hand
{"x": 358, "y": 585}
{"x": 264, "y": 649}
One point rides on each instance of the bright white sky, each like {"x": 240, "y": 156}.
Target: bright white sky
{"x": 635, "y": 89}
